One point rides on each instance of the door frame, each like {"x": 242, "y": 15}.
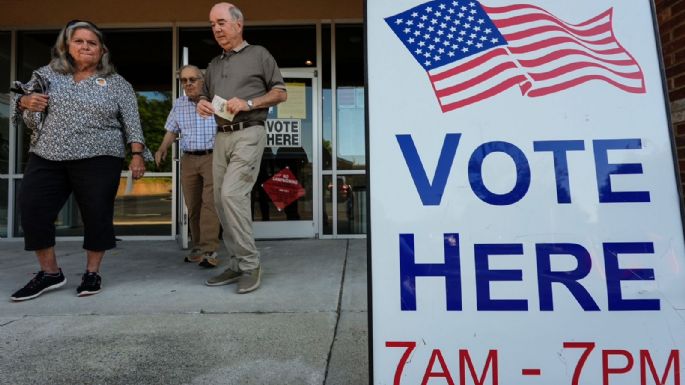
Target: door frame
{"x": 305, "y": 228}
{"x": 180, "y": 220}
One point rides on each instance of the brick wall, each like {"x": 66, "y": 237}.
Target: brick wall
{"x": 671, "y": 19}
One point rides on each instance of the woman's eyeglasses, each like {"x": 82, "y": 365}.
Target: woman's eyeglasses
{"x": 185, "y": 81}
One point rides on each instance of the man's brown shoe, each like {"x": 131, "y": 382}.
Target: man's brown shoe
{"x": 249, "y": 280}
{"x": 209, "y": 260}
{"x": 195, "y": 256}
{"x": 228, "y": 276}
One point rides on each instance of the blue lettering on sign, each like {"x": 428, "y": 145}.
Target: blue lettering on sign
{"x": 409, "y": 270}
{"x": 431, "y": 192}
{"x": 559, "y": 149}
{"x": 615, "y": 275}
{"x": 606, "y": 169}
{"x": 546, "y": 276}
{"x": 522, "y": 173}
{"x": 484, "y": 276}
{"x": 451, "y": 272}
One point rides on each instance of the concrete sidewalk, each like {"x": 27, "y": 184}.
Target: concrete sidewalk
{"x": 155, "y": 322}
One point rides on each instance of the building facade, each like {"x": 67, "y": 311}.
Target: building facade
{"x": 318, "y": 135}
{"x": 319, "y": 45}
{"x": 671, "y": 20}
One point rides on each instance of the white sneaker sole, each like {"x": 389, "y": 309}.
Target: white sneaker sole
{"x": 222, "y": 283}
{"x": 86, "y": 293}
{"x": 53, "y": 287}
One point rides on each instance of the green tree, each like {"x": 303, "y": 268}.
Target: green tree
{"x": 153, "y": 115}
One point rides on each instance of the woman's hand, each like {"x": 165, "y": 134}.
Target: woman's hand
{"x": 137, "y": 166}
{"x": 34, "y": 102}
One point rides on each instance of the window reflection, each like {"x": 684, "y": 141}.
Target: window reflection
{"x": 4, "y": 186}
{"x": 33, "y": 52}
{"x": 346, "y": 149}
{"x": 143, "y": 206}
{"x": 351, "y": 149}
{"x": 5, "y": 51}
{"x": 349, "y": 66}
{"x": 150, "y": 76}
{"x": 154, "y": 107}
{"x": 327, "y": 197}
{"x": 350, "y": 204}
{"x": 326, "y": 99}
{"x": 17, "y": 231}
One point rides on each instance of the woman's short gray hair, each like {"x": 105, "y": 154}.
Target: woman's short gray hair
{"x": 63, "y": 63}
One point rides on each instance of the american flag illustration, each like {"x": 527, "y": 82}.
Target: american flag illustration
{"x": 472, "y": 52}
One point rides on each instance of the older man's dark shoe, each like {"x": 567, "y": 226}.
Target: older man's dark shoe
{"x": 91, "y": 283}
{"x": 249, "y": 280}
{"x": 41, "y": 283}
{"x": 227, "y": 277}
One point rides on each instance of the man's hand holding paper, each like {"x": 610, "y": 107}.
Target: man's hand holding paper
{"x": 223, "y": 108}
{"x": 227, "y": 109}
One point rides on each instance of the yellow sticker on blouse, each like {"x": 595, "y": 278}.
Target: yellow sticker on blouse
{"x": 101, "y": 82}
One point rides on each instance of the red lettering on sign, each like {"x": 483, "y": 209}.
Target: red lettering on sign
{"x": 465, "y": 359}
{"x": 429, "y": 369}
{"x": 673, "y": 361}
{"x": 410, "y": 346}
{"x": 588, "y": 346}
{"x": 606, "y": 370}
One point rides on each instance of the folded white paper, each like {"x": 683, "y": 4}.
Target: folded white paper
{"x": 220, "y": 108}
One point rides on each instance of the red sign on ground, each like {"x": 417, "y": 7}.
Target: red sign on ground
{"x": 283, "y": 188}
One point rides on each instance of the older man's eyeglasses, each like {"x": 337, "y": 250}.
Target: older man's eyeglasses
{"x": 185, "y": 81}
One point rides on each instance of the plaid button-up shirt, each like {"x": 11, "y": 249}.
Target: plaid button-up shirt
{"x": 197, "y": 133}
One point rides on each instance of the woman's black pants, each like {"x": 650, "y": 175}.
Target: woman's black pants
{"x": 46, "y": 187}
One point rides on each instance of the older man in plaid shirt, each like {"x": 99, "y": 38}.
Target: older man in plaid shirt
{"x": 197, "y": 140}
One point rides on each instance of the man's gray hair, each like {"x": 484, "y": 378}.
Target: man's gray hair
{"x": 63, "y": 63}
{"x": 236, "y": 13}
{"x": 190, "y": 66}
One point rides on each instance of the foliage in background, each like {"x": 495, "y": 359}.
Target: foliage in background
{"x": 153, "y": 114}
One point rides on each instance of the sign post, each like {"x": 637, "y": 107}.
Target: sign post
{"x": 525, "y": 218}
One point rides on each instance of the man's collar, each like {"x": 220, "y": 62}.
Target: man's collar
{"x": 235, "y": 50}
{"x": 193, "y": 100}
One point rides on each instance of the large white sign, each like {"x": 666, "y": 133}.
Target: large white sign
{"x": 525, "y": 219}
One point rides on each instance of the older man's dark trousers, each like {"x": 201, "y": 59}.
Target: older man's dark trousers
{"x": 46, "y": 187}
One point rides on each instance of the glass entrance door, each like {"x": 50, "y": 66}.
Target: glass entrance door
{"x": 284, "y": 199}
{"x": 180, "y": 220}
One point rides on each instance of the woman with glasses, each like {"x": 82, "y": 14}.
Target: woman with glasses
{"x": 88, "y": 116}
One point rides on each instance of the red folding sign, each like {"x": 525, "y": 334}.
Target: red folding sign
{"x": 283, "y": 188}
